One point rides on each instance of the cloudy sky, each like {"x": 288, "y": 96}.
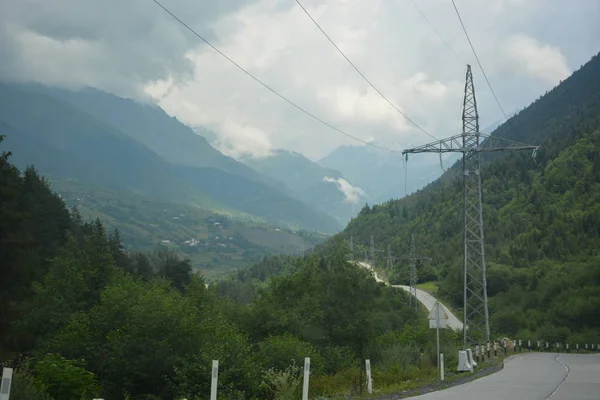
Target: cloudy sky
{"x": 134, "y": 49}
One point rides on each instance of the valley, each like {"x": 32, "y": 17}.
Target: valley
{"x": 231, "y": 200}
{"x": 215, "y": 243}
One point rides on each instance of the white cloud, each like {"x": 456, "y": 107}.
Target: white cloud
{"x": 135, "y": 49}
{"x": 353, "y": 193}
{"x": 525, "y": 55}
{"x": 237, "y": 141}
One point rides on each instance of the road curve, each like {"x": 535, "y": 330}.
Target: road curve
{"x": 425, "y": 298}
{"x": 533, "y": 376}
{"x": 429, "y": 301}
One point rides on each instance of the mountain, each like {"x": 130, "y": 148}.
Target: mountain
{"x": 88, "y": 149}
{"x": 314, "y": 184}
{"x": 381, "y": 173}
{"x": 541, "y": 219}
{"x": 292, "y": 168}
{"x": 150, "y": 125}
{"x": 78, "y": 146}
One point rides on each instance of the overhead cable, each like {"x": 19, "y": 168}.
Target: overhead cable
{"x": 363, "y": 75}
{"x": 290, "y": 102}
{"x": 436, "y": 32}
{"x": 477, "y": 58}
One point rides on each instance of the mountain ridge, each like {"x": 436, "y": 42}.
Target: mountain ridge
{"x": 117, "y": 160}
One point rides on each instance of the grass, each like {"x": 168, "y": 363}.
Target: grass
{"x": 391, "y": 381}
{"x": 430, "y": 287}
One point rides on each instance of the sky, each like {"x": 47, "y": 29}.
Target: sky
{"x": 135, "y": 49}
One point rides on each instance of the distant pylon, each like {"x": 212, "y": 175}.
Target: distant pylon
{"x": 390, "y": 259}
{"x": 373, "y": 251}
{"x": 412, "y": 257}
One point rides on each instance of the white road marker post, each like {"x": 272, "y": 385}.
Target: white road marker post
{"x": 437, "y": 334}
{"x": 214, "y": 380}
{"x": 6, "y": 383}
{"x": 442, "y": 367}
{"x": 306, "y": 378}
{"x": 369, "y": 380}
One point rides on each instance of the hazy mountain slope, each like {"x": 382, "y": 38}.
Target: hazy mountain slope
{"x": 307, "y": 180}
{"x": 103, "y": 155}
{"x": 26, "y": 148}
{"x": 295, "y": 170}
{"x": 381, "y": 173}
{"x": 153, "y": 127}
{"x": 107, "y": 157}
{"x": 541, "y": 217}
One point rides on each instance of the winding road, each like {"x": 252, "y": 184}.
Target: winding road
{"x": 425, "y": 298}
{"x": 529, "y": 376}
{"x": 533, "y": 376}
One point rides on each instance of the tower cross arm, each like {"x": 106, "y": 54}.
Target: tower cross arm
{"x": 449, "y": 145}
{"x": 413, "y": 257}
{"x": 455, "y": 144}
{"x": 493, "y": 143}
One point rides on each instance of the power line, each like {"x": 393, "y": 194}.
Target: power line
{"x": 267, "y": 86}
{"x": 436, "y": 32}
{"x": 477, "y": 58}
{"x": 361, "y": 74}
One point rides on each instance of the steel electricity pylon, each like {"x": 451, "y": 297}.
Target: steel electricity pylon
{"x": 475, "y": 308}
{"x": 373, "y": 251}
{"x": 413, "y": 276}
{"x": 390, "y": 258}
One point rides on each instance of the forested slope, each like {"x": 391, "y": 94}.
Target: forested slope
{"x": 541, "y": 216}
{"x": 82, "y": 318}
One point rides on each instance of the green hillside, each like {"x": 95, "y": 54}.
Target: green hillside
{"x": 81, "y": 317}
{"x": 541, "y": 218}
{"x": 214, "y": 243}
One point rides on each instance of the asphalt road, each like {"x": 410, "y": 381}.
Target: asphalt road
{"x": 428, "y": 301}
{"x": 533, "y": 376}
{"x": 425, "y": 298}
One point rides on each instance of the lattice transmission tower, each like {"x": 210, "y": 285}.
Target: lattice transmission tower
{"x": 475, "y": 308}
{"x": 413, "y": 275}
{"x": 390, "y": 258}
{"x": 373, "y": 251}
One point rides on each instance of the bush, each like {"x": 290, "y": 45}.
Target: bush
{"x": 65, "y": 379}
{"x": 283, "y": 384}
{"x": 25, "y": 387}
{"x": 277, "y": 352}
